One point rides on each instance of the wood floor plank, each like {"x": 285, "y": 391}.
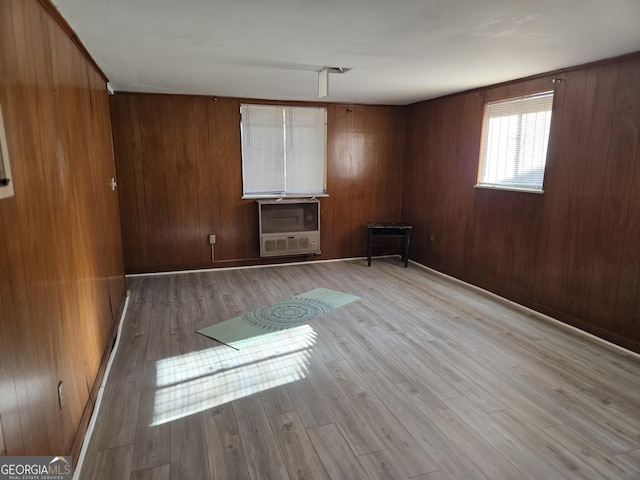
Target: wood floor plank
{"x": 300, "y": 458}
{"x": 555, "y": 375}
{"x": 162, "y": 472}
{"x": 341, "y": 348}
{"x": 398, "y": 441}
{"x": 463, "y": 373}
{"x": 140, "y": 302}
{"x": 630, "y": 459}
{"x": 264, "y": 459}
{"x": 590, "y": 453}
{"x": 276, "y": 401}
{"x": 307, "y": 403}
{"x": 414, "y": 360}
{"x": 528, "y": 461}
{"x": 152, "y": 442}
{"x": 382, "y": 466}
{"x": 328, "y": 344}
{"x": 358, "y": 434}
{"x": 213, "y": 296}
{"x": 485, "y": 381}
{"x": 159, "y": 336}
{"x": 599, "y": 365}
{"x": 605, "y": 428}
{"x": 431, "y": 476}
{"x": 376, "y": 353}
{"x": 486, "y": 458}
{"x": 181, "y": 330}
{"x": 113, "y": 463}
{"x": 567, "y": 463}
{"x": 334, "y": 453}
{"x": 189, "y": 460}
{"x": 448, "y": 456}
{"x": 224, "y": 445}
{"x": 620, "y": 405}
{"x": 485, "y": 389}
{"x": 122, "y": 405}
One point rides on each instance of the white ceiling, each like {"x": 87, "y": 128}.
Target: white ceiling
{"x": 399, "y": 51}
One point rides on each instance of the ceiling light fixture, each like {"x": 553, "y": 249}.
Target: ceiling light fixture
{"x": 323, "y": 79}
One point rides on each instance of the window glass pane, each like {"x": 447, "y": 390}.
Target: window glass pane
{"x": 515, "y": 141}
{"x": 305, "y": 150}
{"x": 262, "y": 149}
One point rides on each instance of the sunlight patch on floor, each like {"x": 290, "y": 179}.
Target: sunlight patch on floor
{"x": 198, "y": 381}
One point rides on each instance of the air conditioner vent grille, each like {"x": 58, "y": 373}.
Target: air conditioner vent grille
{"x": 289, "y": 227}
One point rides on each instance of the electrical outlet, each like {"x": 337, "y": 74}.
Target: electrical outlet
{"x": 433, "y": 237}
{"x": 212, "y": 239}
{"x": 60, "y": 395}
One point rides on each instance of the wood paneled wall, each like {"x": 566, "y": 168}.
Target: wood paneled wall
{"x": 573, "y": 252}
{"x": 179, "y": 164}
{"x": 61, "y": 268}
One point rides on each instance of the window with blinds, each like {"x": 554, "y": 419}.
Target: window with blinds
{"x": 283, "y": 151}
{"x": 515, "y": 136}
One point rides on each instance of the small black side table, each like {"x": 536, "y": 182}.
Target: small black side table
{"x": 389, "y": 229}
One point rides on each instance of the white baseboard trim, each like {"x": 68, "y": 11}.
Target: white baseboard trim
{"x": 204, "y": 270}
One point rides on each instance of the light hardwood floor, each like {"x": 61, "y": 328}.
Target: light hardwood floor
{"x": 422, "y": 378}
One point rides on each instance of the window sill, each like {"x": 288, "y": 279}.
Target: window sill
{"x": 259, "y": 197}
{"x": 509, "y": 188}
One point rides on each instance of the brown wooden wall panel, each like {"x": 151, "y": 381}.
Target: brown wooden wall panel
{"x": 62, "y": 280}
{"x": 179, "y": 164}
{"x": 571, "y": 252}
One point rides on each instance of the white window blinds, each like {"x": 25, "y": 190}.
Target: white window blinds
{"x": 514, "y": 143}
{"x": 283, "y": 150}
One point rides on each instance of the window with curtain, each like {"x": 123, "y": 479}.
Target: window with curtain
{"x": 515, "y": 136}
{"x": 283, "y": 150}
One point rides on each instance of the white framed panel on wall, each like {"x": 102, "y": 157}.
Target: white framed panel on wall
{"x": 6, "y": 180}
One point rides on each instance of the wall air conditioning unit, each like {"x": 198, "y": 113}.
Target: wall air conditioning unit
{"x": 289, "y": 227}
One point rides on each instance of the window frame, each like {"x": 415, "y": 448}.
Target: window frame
{"x": 511, "y": 104}
{"x": 6, "y": 179}
{"x": 289, "y": 127}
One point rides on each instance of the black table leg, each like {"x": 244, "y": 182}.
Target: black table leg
{"x": 407, "y": 241}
